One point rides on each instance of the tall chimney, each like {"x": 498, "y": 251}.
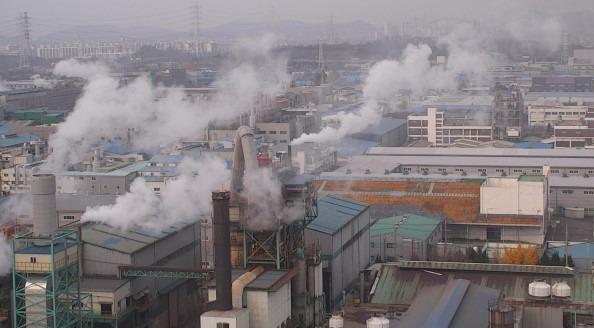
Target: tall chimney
{"x": 222, "y": 249}
{"x": 43, "y": 194}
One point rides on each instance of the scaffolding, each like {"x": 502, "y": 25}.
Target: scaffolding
{"x": 45, "y": 281}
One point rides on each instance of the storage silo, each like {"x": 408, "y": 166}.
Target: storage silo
{"x": 43, "y": 194}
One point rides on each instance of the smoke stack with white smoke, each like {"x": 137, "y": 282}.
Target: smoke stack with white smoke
{"x": 158, "y": 115}
{"x": 413, "y": 71}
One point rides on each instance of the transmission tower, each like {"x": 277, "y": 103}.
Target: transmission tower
{"x": 565, "y": 49}
{"x": 331, "y": 34}
{"x": 25, "y": 38}
{"x": 197, "y": 45}
{"x": 321, "y": 57}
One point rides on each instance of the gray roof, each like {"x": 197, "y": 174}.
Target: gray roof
{"x": 484, "y": 152}
{"x": 455, "y": 304}
{"x": 127, "y": 242}
{"x": 269, "y": 280}
{"x": 335, "y": 212}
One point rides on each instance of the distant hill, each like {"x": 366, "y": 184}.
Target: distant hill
{"x": 292, "y": 30}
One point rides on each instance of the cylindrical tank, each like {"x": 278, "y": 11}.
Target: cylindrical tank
{"x": 336, "y": 321}
{"x": 539, "y": 288}
{"x": 43, "y": 194}
{"x": 378, "y": 322}
{"x": 501, "y": 317}
{"x": 561, "y": 290}
{"x": 300, "y": 280}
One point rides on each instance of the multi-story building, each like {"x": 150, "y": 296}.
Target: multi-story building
{"x": 442, "y": 128}
{"x": 562, "y": 84}
{"x": 508, "y": 114}
{"x": 576, "y": 134}
{"x": 551, "y": 114}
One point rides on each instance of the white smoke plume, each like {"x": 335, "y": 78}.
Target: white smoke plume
{"x": 184, "y": 199}
{"x": 158, "y": 116}
{"x": 266, "y": 203}
{"x": 5, "y": 258}
{"x": 413, "y": 71}
{"x": 16, "y": 209}
{"x": 41, "y": 82}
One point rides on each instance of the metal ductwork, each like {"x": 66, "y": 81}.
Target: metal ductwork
{"x": 240, "y": 283}
{"x": 43, "y": 194}
{"x": 244, "y": 159}
{"x": 222, "y": 249}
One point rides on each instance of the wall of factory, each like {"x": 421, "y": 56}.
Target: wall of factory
{"x": 277, "y": 132}
{"x": 116, "y": 298}
{"x": 102, "y": 261}
{"x": 512, "y": 196}
{"x": 572, "y": 197}
{"x": 236, "y": 318}
{"x": 269, "y": 309}
{"x": 94, "y": 184}
{"x": 180, "y": 249}
{"x": 177, "y": 305}
{"x": 525, "y": 234}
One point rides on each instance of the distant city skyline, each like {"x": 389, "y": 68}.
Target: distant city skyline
{"x": 179, "y": 15}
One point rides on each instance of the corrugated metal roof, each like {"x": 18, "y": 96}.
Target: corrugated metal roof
{"x": 571, "y": 181}
{"x": 408, "y": 226}
{"x": 384, "y": 126}
{"x": 121, "y": 172}
{"x": 397, "y": 285}
{"x": 334, "y": 212}
{"x": 268, "y": 280}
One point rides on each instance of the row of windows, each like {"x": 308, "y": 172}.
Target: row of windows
{"x": 570, "y": 192}
{"x": 274, "y": 132}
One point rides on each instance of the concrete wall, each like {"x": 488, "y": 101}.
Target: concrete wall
{"x": 95, "y": 185}
{"x": 525, "y": 234}
{"x": 512, "y": 196}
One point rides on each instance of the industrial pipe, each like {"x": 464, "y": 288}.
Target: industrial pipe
{"x": 222, "y": 248}
{"x": 240, "y": 283}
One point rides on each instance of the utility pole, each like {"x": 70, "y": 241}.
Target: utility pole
{"x": 566, "y": 245}
{"x": 25, "y": 41}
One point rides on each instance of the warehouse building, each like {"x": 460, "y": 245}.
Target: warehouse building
{"x": 342, "y": 231}
{"x": 572, "y": 192}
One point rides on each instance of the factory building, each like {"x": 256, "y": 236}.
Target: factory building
{"x": 404, "y": 237}
{"x": 443, "y": 128}
{"x": 135, "y": 278}
{"x": 342, "y": 231}
{"x": 508, "y": 114}
{"x": 114, "y": 182}
{"x": 390, "y": 132}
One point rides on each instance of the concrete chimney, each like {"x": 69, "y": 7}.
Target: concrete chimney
{"x": 222, "y": 249}
{"x": 43, "y": 193}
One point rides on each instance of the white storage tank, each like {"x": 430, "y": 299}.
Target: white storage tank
{"x": 378, "y": 321}
{"x": 539, "y": 289}
{"x": 561, "y": 290}
{"x": 336, "y": 321}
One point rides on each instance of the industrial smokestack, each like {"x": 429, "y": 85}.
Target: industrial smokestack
{"x": 43, "y": 193}
{"x": 222, "y": 249}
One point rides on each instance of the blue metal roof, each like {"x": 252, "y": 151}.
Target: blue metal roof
{"x": 348, "y": 147}
{"x": 45, "y": 249}
{"x": 533, "y": 145}
{"x": 335, "y": 212}
{"x": 164, "y": 158}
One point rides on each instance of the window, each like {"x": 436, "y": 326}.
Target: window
{"x": 106, "y": 308}
{"x": 441, "y": 169}
{"x": 407, "y": 169}
{"x": 33, "y": 260}
{"x": 574, "y": 171}
{"x": 482, "y": 170}
{"x": 518, "y": 170}
{"x": 93, "y": 178}
{"x": 283, "y": 132}
{"x": 493, "y": 233}
{"x": 222, "y": 325}
{"x": 271, "y": 132}
{"x": 391, "y": 259}
{"x": 81, "y": 178}
{"x": 459, "y": 170}
{"x": 156, "y": 189}
{"x": 535, "y": 171}
{"x": 206, "y": 238}
{"x": 499, "y": 170}
{"x": 372, "y": 245}
{"x": 567, "y": 192}
{"x": 390, "y": 245}
{"x": 588, "y": 192}
{"x": 68, "y": 217}
{"x": 554, "y": 171}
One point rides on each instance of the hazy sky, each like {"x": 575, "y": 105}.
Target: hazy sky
{"x": 177, "y": 14}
